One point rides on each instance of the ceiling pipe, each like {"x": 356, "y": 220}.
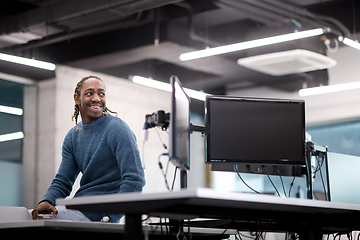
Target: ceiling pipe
{"x": 80, "y": 33}
{"x": 268, "y": 7}
{"x": 287, "y": 14}
{"x": 56, "y": 12}
{"x": 66, "y": 10}
{"x": 305, "y": 13}
{"x": 192, "y": 34}
{"x": 256, "y": 10}
{"x": 266, "y": 21}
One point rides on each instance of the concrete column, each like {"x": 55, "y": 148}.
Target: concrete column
{"x": 29, "y": 146}
{"x": 45, "y": 136}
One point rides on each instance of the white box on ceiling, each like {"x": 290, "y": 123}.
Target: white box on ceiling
{"x": 287, "y": 62}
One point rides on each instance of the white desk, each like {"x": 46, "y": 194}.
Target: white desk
{"x": 69, "y": 230}
{"x": 51, "y": 228}
{"x": 309, "y": 218}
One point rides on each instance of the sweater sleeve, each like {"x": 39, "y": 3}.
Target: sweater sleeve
{"x": 62, "y": 184}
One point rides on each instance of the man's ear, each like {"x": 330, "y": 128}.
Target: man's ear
{"x": 77, "y": 99}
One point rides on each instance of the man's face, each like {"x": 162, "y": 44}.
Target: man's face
{"x": 91, "y": 101}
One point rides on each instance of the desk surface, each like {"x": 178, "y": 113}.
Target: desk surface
{"x": 65, "y": 229}
{"x": 88, "y": 226}
{"x": 62, "y": 228}
{"x": 132, "y": 202}
{"x": 241, "y": 208}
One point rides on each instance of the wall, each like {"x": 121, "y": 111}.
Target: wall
{"x": 56, "y": 105}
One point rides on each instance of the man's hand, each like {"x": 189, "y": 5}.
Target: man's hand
{"x": 43, "y": 207}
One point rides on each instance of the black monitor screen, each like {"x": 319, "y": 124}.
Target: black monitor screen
{"x": 179, "y": 145}
{"x": 249, "y": 130}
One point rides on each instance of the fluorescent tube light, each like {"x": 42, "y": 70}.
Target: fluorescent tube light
{"x": 152, "y": 83}
{"x": 328, "y": 89}
{"x": 27, "y": 62}
{"x": 351, "y": 43}
{"x": 167, "y": 87}
{"x": 11, "y": 110}
{"x": 250, "y": 44}
{"x": 11, "y": 136}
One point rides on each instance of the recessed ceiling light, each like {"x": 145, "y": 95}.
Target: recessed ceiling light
{"x": 287, "y": 62}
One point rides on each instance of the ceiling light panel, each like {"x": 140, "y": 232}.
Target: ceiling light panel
{"x": 287, "y": 62}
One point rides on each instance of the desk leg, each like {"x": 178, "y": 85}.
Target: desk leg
{"x": 133, "y": 228}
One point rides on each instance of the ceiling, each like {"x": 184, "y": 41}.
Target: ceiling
{"x": 146, "y": 37}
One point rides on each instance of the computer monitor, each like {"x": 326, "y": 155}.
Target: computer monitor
{"x": 254, "y": 130}
{"x": 179, "y": 139}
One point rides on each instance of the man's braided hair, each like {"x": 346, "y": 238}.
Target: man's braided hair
{"x": 76, "y": 107}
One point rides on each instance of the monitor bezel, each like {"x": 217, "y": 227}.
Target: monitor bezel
{"x": 208, "y": 159}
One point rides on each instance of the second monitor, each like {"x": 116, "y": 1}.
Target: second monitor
{"x": 255, "y": 130}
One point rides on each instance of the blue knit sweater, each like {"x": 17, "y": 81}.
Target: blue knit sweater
{"x": 106, "y": 153}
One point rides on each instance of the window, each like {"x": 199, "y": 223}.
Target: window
{"x": 11, "y": 95}
{"x": 340, "y": 138}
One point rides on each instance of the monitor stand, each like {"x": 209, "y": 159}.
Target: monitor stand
{"x": 183, "y": 173}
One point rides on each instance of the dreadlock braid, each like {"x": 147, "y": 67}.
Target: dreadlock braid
{"x": 77, "y": 108}
{"x": 108, "y": 110}
{"x": 75, "y": 115}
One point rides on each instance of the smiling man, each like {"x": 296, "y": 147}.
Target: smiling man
{"x": 102, "y": 147}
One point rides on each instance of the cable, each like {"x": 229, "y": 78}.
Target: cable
{"x": 166, "y": 228}
{"x": 320, "y": 164}
{"x": 243, "y": 235}
{"x": 161, "y": 229}
{"x": 237, "y": 171}
{"x": 322, "y": 178}
{"x": 162, "y": 170}
{"x": 172, "y": 186}
{"x": 272, "y": 182}
{"x": 308, "y": 170}
{"x": 282, "y": 182}
{"x": 291, "y": 185}
{"x": 223, "y": 232}
{"x": 152, "y": 229}
{"x": 164, "y": 145}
